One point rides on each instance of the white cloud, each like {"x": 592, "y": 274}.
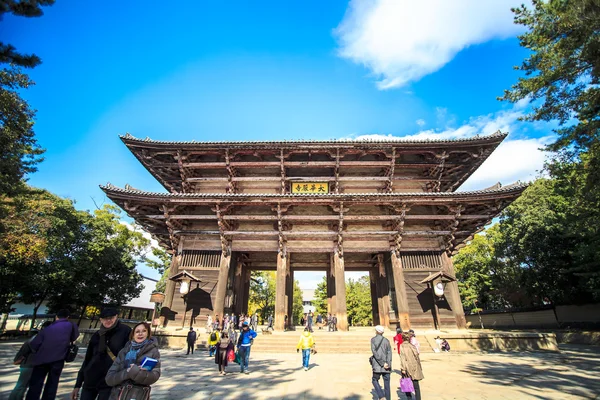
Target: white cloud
{"x": 518, "y": 158}
{"x": 401, "y": 41}
{"x": 420, "y": 122}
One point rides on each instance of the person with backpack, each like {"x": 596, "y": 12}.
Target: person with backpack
{"x": 23, "y": 359}
{"x": 213, "y": 339}
{"x": 191, "y": 340}
{"x": 102, "y": 350}
{"x": 381, "y": 363}
{"x": 244, "y": 344}
{"x": 224, "y": 347}
{"x": 306, "y": 344}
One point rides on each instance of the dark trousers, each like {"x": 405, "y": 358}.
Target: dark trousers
{"x": 46, "y": 372}
{"x": 417, "y": 391}
{"x": 190, "y": 347}
{"x": 93, "y": 393}
{"x": 386, "y": 385}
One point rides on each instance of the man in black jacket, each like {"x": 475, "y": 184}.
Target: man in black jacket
{"x": 101, "y": 351}
{"x": 191, "y": 340}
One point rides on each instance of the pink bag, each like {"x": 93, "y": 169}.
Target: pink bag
{"x": 406, "y": 385}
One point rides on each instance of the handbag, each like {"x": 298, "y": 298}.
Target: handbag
{"x": 406, "y": 385}
{"x": 237, "y": 359}
{"x": 72, "y": 351}
{"x": 129, "y": 391}
{"x": 231, "y": 355}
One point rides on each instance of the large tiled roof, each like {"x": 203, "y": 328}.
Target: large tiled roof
{"x": 495, "y": 137}
{"x": 517, "y": 187}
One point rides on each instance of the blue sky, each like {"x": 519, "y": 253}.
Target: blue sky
{"x": 268, "y": 71}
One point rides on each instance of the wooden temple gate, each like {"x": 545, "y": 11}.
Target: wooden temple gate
{"x": 388, "y": 208}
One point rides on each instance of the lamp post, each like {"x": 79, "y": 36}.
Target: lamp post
{"x": 185, "y": 279}
{"x": 156, "y": 298}
{"x": 438, "y": 282}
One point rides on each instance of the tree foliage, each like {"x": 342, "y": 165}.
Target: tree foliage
{"x": 359, "y": 307}
{"x": 49, "y": 251}
{"x": 358, "y": 301}
{"x": 19, "y": 150}
{"x": 160, "y": 261}
{"x": 563, "y": 69}
{"x": 262, "y": 295}
{"x": 543, "y": 250}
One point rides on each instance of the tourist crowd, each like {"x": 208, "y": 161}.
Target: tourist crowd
{"x": 122, "y": 363}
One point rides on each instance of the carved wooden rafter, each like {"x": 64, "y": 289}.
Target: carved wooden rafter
{"x": 280, "y": 238}
{"x": 282, "y": 171}
{"x": 481, "y": 153}
{"x": 337, "y": 170}
{"x": 148, "y": 163}
{"x": 183, "y": 173}
{"x": 231, "y": 173}
{"x": 340, "y": 237}
{"x": 457, "y": 210}
{"x": 172, "y": 226}
{"x": 398, "y": 226}
{"x": 390, "y": 172}
{"x": 437, "y": 172}
{"x": 223, "y": 226}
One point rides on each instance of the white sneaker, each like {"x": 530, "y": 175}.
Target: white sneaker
{"x": 306, "y": 368}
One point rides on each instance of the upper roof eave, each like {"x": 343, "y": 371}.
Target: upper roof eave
{"x": 494, "y": 138}
{"x": 514, "y": 189}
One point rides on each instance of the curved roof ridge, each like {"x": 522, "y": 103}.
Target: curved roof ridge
{"x": 494, "y": 136}
{"x": 513, "y": 187}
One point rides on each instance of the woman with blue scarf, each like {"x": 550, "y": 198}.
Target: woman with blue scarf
{"x": 126, "y": 374}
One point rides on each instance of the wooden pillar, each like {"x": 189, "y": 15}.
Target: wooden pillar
{"x": 280, "y": 281}
{"x": 221, "y": 287}
{"x": 374, "y": 297}
{"x": 246, "y": 292}
{"x": 401, "y": 297}
{"x": 331, "y": 298}
{"x": 238, "y": 286}
{"x": 340, "y": 292}
{"x": 383, "y": 292}
{"x": 452, "y": 294}
{"x": 170, "y": 286}
{"x": 289, "y": 296}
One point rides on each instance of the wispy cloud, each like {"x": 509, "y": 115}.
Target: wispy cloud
{"x": 420, "y": 122}
{"x": 518, "y": 158}
{"x": 401, "y": 41}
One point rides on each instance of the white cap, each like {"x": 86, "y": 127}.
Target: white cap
{"x": 379, "y": 328}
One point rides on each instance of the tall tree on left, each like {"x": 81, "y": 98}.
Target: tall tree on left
{"x": 19, "y": 149}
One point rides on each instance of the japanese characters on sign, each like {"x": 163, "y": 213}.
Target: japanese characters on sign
{"x": 310, "y": 187}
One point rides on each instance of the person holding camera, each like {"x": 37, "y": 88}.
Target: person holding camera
{"x": 381, "y": 363}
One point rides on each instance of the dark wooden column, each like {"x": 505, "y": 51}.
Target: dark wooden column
{"x": 331, "y": 299}
{"x": 452, "y": 294}
{"x": 374, "y": 297}
{"x": 221, "y": 287}
{"x": 340, "y": 292}
{"x": 171, "y": 285}
{"x": 383, "y": 292}
{"x": 280, "y": 290}
{"x": 246, "y": 293}
{"x": 289, "y": 295}
{"x": 401, "y": 297}
{"x": 238, "y": 285}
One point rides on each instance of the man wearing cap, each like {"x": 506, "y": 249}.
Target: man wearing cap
{"x": 244, "y": 343}
{"x": 103, "y": 348}
{"x": 381, "y": 362}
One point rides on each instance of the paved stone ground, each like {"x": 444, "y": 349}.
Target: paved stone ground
{"x": 572, "y": 374}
